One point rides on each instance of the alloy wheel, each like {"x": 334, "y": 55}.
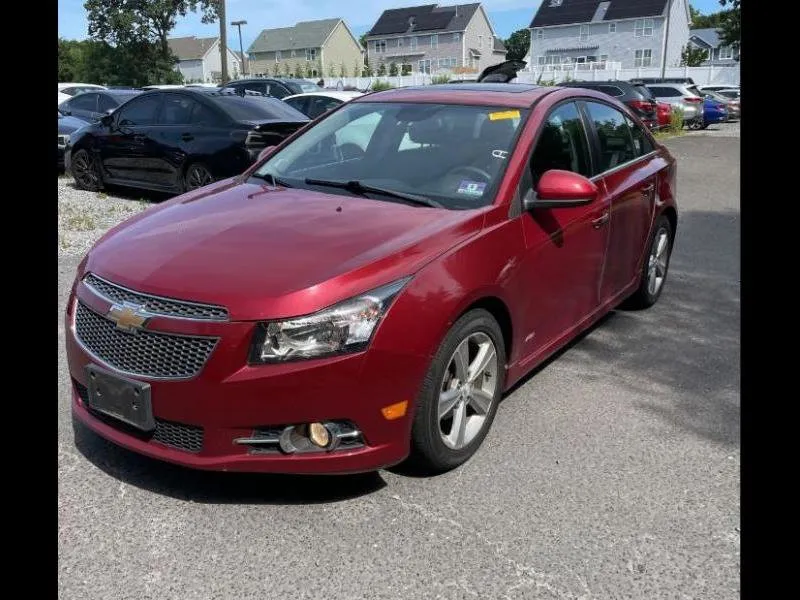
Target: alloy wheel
{"x": 83, "y": 170}
{"x": 468, "y": 390}
{"x": 657, "y": 262}
{"x": 198, "y": 176}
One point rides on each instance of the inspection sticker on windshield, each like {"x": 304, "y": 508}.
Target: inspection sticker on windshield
{"x": 504, "y": 114}
{"x": 471, "y": 188}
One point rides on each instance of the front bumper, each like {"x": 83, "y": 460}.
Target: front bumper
{"x": 229, "y": 400}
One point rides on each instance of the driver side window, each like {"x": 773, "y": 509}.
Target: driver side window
{"x": 141, "y": 111}
{"x": 562, "y": 144}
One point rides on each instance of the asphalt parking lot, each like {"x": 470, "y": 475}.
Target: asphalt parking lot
{"x": 612, "y": 472}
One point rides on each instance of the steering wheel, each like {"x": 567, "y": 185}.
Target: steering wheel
{"x": 472, "y": 170}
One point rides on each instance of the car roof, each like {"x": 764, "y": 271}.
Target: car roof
{"x": 338, "y": 95}
{"x": 115, "y": 92}
{"x": 63, "y": 86}
{"x": 517, "y": 95}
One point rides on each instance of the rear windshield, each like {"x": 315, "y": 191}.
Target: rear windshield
{"x": 309, "y": 87}
{"x": 644, "y": 91}
{"x": 256, "y": 108}
{"x": 693, "y": 90}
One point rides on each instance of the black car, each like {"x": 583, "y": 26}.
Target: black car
{"x": 66, "y": 125}
{"x": 270, "y": 86}
{"x": 90, "y": 106}
{"x": 179, "y": 139}
{"x": 635, "y": 95}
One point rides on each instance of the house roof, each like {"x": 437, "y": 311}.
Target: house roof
{"x": 568, "y": 12}
{"x": 429, "y": 17}
{"x": 191, "y": 48}
{"x": 499, "y": 46}
{"x": 708, "y": 37}
{"x": 305, "y": 34}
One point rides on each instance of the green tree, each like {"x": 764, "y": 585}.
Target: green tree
{"x": 518, "y": 44}
{"x": 342, "y": 70}
{"x": 405, "y": 69}
{"x": 382, "y": 69}
{"x": 393, "y": 69}
{"x": 730, "y": 33}
{"x": 693, "y": 57}
{"x": 285, "y": 69}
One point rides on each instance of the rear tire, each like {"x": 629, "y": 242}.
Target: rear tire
{"x": 655, "y": 267}
{"x": 459, "y": 396}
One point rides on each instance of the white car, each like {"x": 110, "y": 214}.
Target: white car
{"x": 313, "y": 104}
{"x": 68, "y": 90}
{"x": 716, "y": 88}
{"x": 162, "y": 86}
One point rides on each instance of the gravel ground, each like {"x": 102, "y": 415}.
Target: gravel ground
{"x": 732, "y": 129}
{"x": 612, "y": 472}
{"x": 85, "y": 216}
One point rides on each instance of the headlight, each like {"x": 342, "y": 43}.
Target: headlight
{"x": 344, "y": 327}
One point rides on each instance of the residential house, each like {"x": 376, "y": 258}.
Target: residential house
{"x": 200, "y": 61}
{"x": 718, "y": 55}
{"x": 433, "y": 38}
{"x": 632, "y": 33}
{"x": 324, "y": 48}
{"x": 242, "y": 61}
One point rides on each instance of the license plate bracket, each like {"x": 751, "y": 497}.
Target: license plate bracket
{"x": 124, "y": 399}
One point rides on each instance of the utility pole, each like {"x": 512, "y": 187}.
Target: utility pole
{"x": 239, "y": 24}
{"x": 666, "y": 41}
{"x": 223, "y": 41}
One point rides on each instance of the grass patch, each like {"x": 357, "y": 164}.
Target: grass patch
{"x": 80, "y": 222}
{"x": 379, "y": 86}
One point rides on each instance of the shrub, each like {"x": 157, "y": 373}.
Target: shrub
{"x": 676, "y": 119}
{"x": 393, "y": 69}
{"x": 379, "y": 86}
{"x": 439, "y": 79}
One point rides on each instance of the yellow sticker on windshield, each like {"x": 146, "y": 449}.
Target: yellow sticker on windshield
{"x": 505, "y": 114}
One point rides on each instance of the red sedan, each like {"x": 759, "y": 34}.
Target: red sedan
{"x": 368, "y": 290}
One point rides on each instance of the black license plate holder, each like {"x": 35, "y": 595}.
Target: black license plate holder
{"x": 124, "y": 399}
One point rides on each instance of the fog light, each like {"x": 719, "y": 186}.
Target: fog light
{"x": 319, "y": 435}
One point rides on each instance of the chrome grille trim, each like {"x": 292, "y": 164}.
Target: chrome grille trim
{"x": 150, "y": 354}
{"x": 156, "y": 305}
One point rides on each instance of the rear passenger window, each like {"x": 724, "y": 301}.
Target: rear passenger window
{"x": 641, "y": 143}
{"x": 562, "y": 144}
{"x": 616, "y": 142}
{"x": 106, "y": 104}
{"x": 203, "y": 115}
{"x": 611, "y": 90}
{"x": 664, "y": 92}
{"x": 177, "y": 110}
{"x": 84, "y": 102}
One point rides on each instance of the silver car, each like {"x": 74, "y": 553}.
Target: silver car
{"x": 685, "y": 96}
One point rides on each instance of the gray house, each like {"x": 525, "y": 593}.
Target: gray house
{"x": 718, "y": 54}
{"x": 632, "y": 33}
{"x": 432, "y": 38}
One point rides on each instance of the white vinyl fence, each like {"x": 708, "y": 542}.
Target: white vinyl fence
{"x": 700, "y": 75}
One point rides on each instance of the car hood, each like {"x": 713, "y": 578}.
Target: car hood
{"x": 69, "y": 124}
{"x": 270, "y": 253}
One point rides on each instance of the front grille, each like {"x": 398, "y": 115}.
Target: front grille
{"x": 154, "y": 304}
{"x": 169, "y": 433}
{"x": 145, "y": 353}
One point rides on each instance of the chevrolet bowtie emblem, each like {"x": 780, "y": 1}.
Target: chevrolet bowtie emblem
{"x": 128, "y": 316}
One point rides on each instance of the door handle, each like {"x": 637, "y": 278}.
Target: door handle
{"x": 601, "y": 220}
{"x": 647, "y": 189}
{"x": 187, "y": 137}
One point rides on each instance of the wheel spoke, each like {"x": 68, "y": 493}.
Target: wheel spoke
{"x": 480, "y": 400}
{"x": 447, "y": 400}
{"x": 651, "y": 281}
{"x": 459, "y": 427}
{"x": 484, "y": 358}
{"x": 461, "y": 360}
{"x": 662, "y": 245}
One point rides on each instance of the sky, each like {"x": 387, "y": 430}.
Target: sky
{"x": 506, "y": 16}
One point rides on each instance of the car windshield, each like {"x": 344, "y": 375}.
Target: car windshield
{"x": 257, "y": 108}
{"x": 644, "y": 91}
{"x": 450, "y": 155}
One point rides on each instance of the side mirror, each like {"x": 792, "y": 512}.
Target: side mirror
{"x": 107, "y": 119}
{"x": 560, "y": 189}
{"x": 265, "y": 152}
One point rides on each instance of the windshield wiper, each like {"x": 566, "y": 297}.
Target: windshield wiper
{"x": 275, "y": 181}
{"x": 357, "y": 187}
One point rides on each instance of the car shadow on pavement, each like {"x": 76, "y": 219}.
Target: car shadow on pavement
{"x": 211, "y": 487}
{"x": 127, "y": 193}
{"x": 681, "y": 357}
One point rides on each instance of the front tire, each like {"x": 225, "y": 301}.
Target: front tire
{"x": 655, "y": 267}
{"x": 85, "y": 171}
{"x": 460, "y": 394}
{"x": 197, "y": 175}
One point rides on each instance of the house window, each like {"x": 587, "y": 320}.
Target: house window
{"x": 435, "y": 40}
{"x": 292, "y": 53}
{"x": 277, "y": 55}
{"x": 399, "y": 42}
{"x": 425, "y": 66}
{"x": 725, "y": 53}
{"x": 540, "y": 61}
{"x": 612, "y": 28}
{"x": 456, "y": 37}
{"x": 480, "y": 41}
{"x": 447, "y": 63}
{"x": 380, "y": 46}
{"x": 412, "y": 42}
{"x": 311, "y": 54}
{"x": 538, "y": 34}
{"x": 643, "y": 28}
{"x": 643, "y": 58}
{"x": 584, "y": 34}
